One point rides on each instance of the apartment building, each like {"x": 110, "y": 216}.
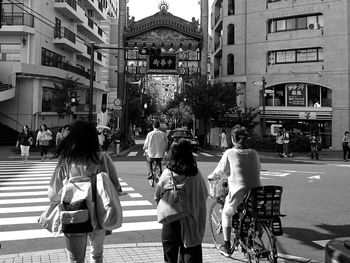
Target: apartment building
{"x": 299, "y": 50}
{"x": 43, "y": 43}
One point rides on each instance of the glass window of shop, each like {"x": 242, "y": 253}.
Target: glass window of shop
{"x": 47, "y": 99}
{"x": 298, "y": 95}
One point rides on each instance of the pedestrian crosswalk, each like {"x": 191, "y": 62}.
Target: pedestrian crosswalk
{"x": 23, "y": 197}
{"x": 196, "y": 154}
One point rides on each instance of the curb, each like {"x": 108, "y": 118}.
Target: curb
{"x": 145, "y": 244}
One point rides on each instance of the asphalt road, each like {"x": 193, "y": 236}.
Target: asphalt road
{"x": 314, "y": 199}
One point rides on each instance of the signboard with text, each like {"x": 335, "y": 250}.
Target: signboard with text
{"x": 296, "y": 95}
{"x": 162, "y": 62}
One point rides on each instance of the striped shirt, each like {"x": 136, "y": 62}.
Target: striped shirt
{"x": 156, "y": 144}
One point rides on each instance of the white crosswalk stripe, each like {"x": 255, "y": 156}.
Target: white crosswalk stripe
{"x": 196, "y": 154}
{"x": 23, "y": 197}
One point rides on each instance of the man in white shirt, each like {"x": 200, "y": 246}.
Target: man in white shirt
{"x": 156, "y": 144}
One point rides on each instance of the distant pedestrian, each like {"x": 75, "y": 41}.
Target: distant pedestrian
{"x": 66, "y": 130}
{"x": 315, "y": 141}
{"x": 279, "y": 143}
{"x": 286, "y": 140}
{"x": 59, "y": 136}
{"x": 24, "y": 141}
{"x": 43, "y": 140}
{"x": 223, "y": 139}
{"x": 346, "y": 146}
{"x": 116, "y": 137}
{"x": 182, "y": 239}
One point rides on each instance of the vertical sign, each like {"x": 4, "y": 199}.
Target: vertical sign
{"x": 296, "y": 94}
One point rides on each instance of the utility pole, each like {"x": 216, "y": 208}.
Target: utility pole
{"x": 1, "y": 13}
{"x": 263, "y": 131}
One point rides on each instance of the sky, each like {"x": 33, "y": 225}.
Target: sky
{"x": 185, "y": 9}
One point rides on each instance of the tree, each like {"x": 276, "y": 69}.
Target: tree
{"x": 211, "y": 101}
{"x": 64, "y": 99}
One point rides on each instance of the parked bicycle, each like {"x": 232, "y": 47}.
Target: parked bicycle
{"x": 255, "y": 225}
{"x": 156, "y": 171}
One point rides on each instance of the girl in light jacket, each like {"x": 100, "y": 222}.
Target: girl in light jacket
{"x": 184, "y": 237}
{"x": 79, "y": 155}
{"x": 43, "y": 140}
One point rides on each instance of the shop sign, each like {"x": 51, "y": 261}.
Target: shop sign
{"x": 307, "y": 115}
{"x": 296, "y": 95}
{"x": 275, "y": 128}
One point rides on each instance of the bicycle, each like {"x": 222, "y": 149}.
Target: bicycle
{"x": 254, "y": 226}
{"x": 155, "y": 172}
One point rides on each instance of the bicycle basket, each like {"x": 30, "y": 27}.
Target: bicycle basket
{"x": 218, "y": 187}
{"x": 264, "y": 202}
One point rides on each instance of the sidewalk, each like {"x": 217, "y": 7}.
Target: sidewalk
{"x": 136, "y": 253}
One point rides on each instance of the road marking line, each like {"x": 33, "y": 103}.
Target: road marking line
{"x": 28, "y": 173}
{"x": 207, "y": 154}
{"x": 128, "y": 189}
{"x": 24, "y": 201}
{"x": 277, "y": 174}
{"x": 123, "y": 183}
{"x": 43, "y": 233}
{"x": 34, "y": 219}
{"x": 194, "y": 154}
{"x": 134, "y": 195}
{"x": 22, "y": 179}
{"x": 132, "y": 154}
{"x": 17, "y": 194}
{"x": 25, "y": 183}
{"x": 322, "y": 243}
{"x": 43, "y": 176}
{"x": 305, "y": 172}
{"x": 135, "y": 203}
{"x": 12, "y": 188}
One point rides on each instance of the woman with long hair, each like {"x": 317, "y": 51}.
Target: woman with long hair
{"x": 79, "y": 155}
{"x": 24, "y": 141}
{"x": 184, "y": 237}
{"x": 43, "y": 140}
{"x": 242, "y": 166}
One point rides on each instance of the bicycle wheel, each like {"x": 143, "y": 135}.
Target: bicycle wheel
{"x": 151, "y": 180}
{"x": 215, "y": 224}
{"x": 261, "y": 244}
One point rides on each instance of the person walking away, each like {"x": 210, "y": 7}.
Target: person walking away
{"x": 279, "y": 142}
{"x": 223, "y": 140}
{"x": 242, "y": 166}
{"x": 43, "y": 140}
{"x": 314, "y": 142}
{"x": 183, "y": 238}
{"x": 346, "y": 146}
{"x": 24, "y": 141}
{"x": 79, "y": 155}
{"x": 59, "y": 136}
{"x": 286, "y": 140}
{"x": 155, "y": 145}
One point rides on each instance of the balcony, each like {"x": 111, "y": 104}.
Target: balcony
{"x": 7, "y": 91}
{"x": 17, "y": 22}
{"x": 71, "y": 9}
{"x": 217, "y": 72}
{"x": 218, "y": 47}
{"x": 66, "y": 38}
{"x": 99, "y": 12}
{"x": 92, "y": 30}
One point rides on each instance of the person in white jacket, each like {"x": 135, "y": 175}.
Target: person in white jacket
{"x": 242, "y": 167}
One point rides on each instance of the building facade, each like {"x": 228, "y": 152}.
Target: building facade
{"x": 297, "y": 51}
{"x": 44, "y": 42}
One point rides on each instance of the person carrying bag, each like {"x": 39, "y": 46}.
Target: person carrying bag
{"x": 73, "y": 186}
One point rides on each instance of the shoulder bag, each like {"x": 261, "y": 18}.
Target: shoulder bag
{"x": 170, "y": 207}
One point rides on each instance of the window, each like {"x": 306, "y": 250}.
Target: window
{"x": 10, "y": 52}
{"x": 230, "y": 34}
{"x": 230, "y": 64}
{"x": 51, "y": 59}
{"x": 296, "y": 23}
{"x": 47, "y": 99}
{"x": 295, "y": 56}
{"x": 231, "y": 7}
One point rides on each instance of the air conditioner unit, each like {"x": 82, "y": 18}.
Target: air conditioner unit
{"x": 312, "y": 26}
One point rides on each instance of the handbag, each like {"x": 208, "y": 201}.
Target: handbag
{"x": 108, "y": 207}
{"x": 170, "y": 207}
{"x": 50, "y": 218}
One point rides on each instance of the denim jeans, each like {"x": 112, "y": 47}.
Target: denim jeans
{"x": 76, "y": 246}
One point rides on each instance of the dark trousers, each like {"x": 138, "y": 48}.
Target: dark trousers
{"x": 346, "y": 152}
{"x": 44, "y": 149}
{"x": 173, "y": 247}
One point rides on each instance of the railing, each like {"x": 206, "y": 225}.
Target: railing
{"x": 71, "y": 3}
{"x": 217, "y": 71}
{"x": 218, "y": 17}
{"x": 217, "y": 44}
{"x": 66, "y": 34}
{"x": 76, "y": 70}
{"x": 17, "y": 123}
{"x": 17, "y": 19}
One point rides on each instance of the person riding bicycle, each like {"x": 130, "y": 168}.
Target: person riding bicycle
{"x": 156, "y": 144}
{"x": 242, "y": 167}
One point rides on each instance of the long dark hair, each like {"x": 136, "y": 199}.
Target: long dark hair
{"x": 239, "y": 136}
{"x": 80, "y": 145}
{"x": 180, "y": 159}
